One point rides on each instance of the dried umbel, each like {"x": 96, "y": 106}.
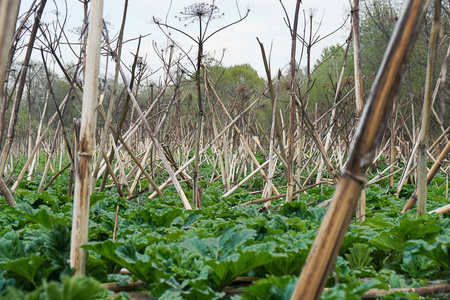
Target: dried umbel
{"x": 199, "y": 11}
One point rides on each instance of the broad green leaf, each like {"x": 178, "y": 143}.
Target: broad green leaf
{"x": 73, "y": 288}
{"x": 25, "y": 267}
{"x": 233, "y": 239}
{"x": 11, "y": 247}
{"x": 164, "y": 218}
{"x": 207, "y": 248}
{"x": 42, "y": 216}
{"x": 271, "y": 288}
{"x": 225, "y": 271}
{"x": 106, "y": 249}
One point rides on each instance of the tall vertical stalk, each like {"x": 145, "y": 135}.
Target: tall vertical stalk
{"x": 83, "y": 176}
{"x": 426, "y": 111}
{"x": 292, "y": 108}
{"x": 361, "y": 208}
{"x": 8, "y": 16}
{"x": 196, "y": 199}
{"x": 117, "y": 56}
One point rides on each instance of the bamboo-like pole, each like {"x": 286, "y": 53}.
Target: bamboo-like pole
{"x": 83, "y": 176}
{"x": 8, "y": 17}
{"x": 441, "y": 210}
{"x": 220, "y": 160}
{"x": 49, "y": 157}
{"x": 272, "y": 97}
{"x": 117, "y": 56}
{"x": 271, "y": 145}
{"x": 426, "y": 112}
{"x": 322, "y": 256}
{"x": 361, "y": 208}
{"x": 292, "y": 108}
{"x": 434, "y": 169}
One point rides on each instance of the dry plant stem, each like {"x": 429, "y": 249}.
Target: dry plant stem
{"x": 392, "y": 148}
{"x": 125, "y": 109}
{"x": 19, "y": 90}
{"x": 246, "y": 178}
{"x": 59, "y": 114}
{"x": 139, "y": 171}
{"x": 158, "y": 148}
{"x": 198, "y": 132}
{"x": 318, "y": 142}
{"x": 292, "y": 108}
{"x": 8, "y": 17}
{"x": 426, "y": 111}
{"x": 361, "y": 207}
{"x": 83, "y": 176}
{"x": 37, "y": 146}
{"x": 333, "y": 112}
{"x": 271, "y": 145}
{"x": 225, "y": 181}
{"x": 244, "y": 142}
{"x": 433, "y": 171}
{"x": 439, "y": 139}
{"x": 33, "y": 163}
{"x": 122, "y": 182}
{"x": 278, "y": 153}
{"x": 322, "y": 256}
{"x": 441, "y": 210}
{"x": 357, "y": 58}
{"x": 5, "y": 192}
{"x": 180, "y": 169}
{"x": 49, "y": 158}
{"x": 141, "y": 167}
{"x": 283, "y": 195}
{"x": 422, "y": 291}
{"x": 113, "y": 176}
{"x": 116, "y": 221}
{"x": 55, "y": 176}
{"x": 272, "y": 97}
{"x": 406, "y": 172}
{"x": 114, "y": 97}
{"x": 435, "y": 92}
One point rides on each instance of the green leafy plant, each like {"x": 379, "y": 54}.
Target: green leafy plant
{"x": 359, "y": 256}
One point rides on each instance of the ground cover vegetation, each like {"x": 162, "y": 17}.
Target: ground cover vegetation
{"x": 215, "y": 183}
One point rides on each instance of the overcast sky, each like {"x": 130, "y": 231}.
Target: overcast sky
{"x": 265, "y": 21}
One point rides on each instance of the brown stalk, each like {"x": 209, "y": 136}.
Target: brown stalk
{"x": 8, "y": 17}
{"x": 426, "y": 112}
{"x": 244, "y": 142}
{"x": 117, "y": 56}
{"x": 322, "y": 256}
{"x": 20, "y": 87}
{"x": 180, "y": 169}
{"x": 431, "y": 173}
{"x": 292, "y": 109}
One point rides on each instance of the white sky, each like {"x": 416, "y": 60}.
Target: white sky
{"x": 265, "y": 21}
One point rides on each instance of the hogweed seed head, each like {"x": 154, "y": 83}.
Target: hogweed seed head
{"x": 199, "y": 11}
